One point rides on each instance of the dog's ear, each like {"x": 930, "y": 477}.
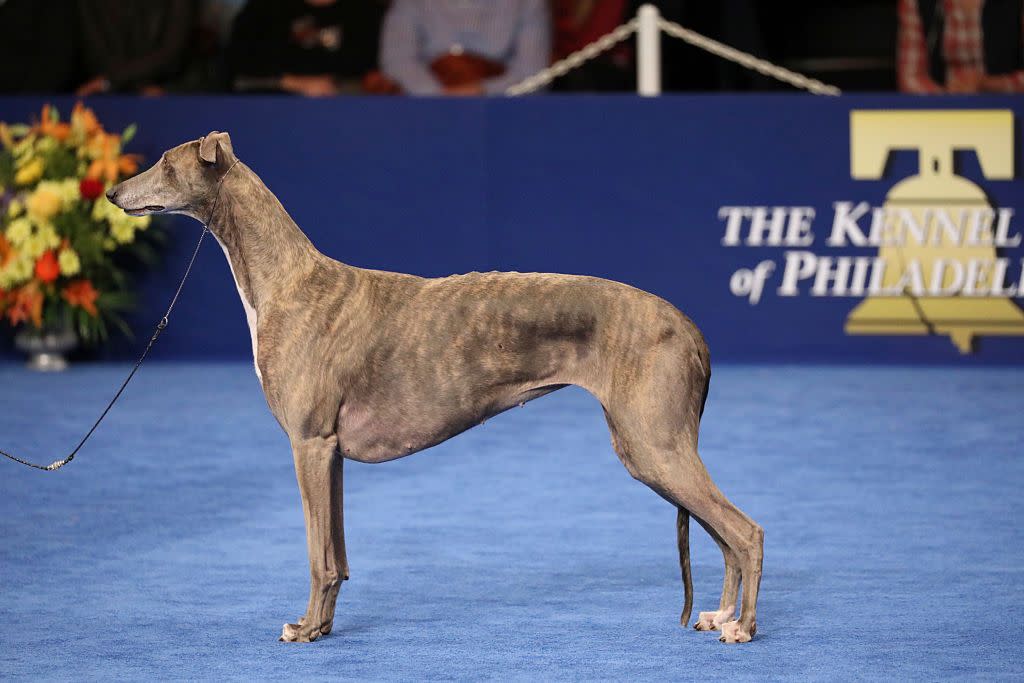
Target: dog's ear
{"x": 215, "y": 147}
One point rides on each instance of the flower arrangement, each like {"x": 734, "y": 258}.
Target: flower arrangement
{"x": 65, "y": 251}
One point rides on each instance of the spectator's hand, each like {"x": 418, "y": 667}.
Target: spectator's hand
{"x": 993, "y": 84}
{"x": 964, "y": 83}
{"x": 309, "y": 86}
{"x": 97, "y": 85}
{"x": 465, "y": 90}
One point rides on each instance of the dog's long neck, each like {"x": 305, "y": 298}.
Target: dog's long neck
{"x": 264, "y": 246}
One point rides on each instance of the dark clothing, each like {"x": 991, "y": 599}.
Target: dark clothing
{"x": 276, "y": 37}
{"x": 37, "y": 46}
{"x": 1002, "y": 47}
{"x": 135, "y": 43}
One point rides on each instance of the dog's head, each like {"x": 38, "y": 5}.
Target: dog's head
{"x": 184, "y": 180}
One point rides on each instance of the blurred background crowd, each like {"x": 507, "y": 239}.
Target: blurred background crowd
{"x": 471, "y": 47}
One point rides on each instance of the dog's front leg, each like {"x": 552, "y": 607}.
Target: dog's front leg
{"x": 318, "y": 467}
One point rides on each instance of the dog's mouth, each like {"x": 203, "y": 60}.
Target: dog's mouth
{"x": 144, "y": 210}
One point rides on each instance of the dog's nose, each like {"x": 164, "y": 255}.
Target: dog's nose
{"x": 111, "y": 193}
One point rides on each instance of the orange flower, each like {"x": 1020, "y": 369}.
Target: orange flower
{"x": 128, "y": 164}
{"x": 108, "y": 162}
{"x": 81, "y": 293}
{"x": 26, "y": 303}
{"x": 47, "y": 268}
{"x": 6, "y": 251}
{"x": 55, "y": 129}
{"x": 83, "y": 119}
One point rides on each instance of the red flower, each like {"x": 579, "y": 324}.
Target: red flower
{"x": 81, "y": 293}
{"x": 47, "y": 268}
{"x": 90, "y": 188}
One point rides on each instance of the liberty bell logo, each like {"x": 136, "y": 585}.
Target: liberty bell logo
{"x": 938, "y": 272}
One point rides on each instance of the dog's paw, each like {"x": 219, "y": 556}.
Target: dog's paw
{"x": 712, "y": 621}
{"x": 732, "y": 632}
{"x": 300, "y": 633}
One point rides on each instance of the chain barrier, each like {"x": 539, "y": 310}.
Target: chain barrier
{"x": 613, "y": 38}
{"x": 746, "y": 59}
{"x": 574, "y": 60}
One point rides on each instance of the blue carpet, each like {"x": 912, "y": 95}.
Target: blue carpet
{"x": 174, "y": 548}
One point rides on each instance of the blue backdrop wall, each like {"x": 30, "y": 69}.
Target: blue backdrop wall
{"x": 619, "y": 187}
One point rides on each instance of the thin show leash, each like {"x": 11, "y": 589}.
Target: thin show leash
{"x": 160, "y": 327}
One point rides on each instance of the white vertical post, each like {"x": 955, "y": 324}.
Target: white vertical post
{"x": 648, "y": 51}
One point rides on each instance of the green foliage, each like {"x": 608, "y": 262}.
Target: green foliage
{"x": 129, "y": 134}
{"x": 6, "y": 169}
{"x": 60, "y": 162}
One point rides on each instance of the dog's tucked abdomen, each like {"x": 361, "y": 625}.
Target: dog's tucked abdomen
{"x": 464, "y": 348}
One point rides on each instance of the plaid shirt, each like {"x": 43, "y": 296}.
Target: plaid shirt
{"x": 961, "y": 48}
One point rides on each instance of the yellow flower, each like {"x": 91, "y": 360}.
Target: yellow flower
{"x": 124, "y": 233}
{"x": 22, "y": 149}
{"x": 68, "y": 191}
{"x": 48, "y": 234}
{"x": 30, "y": 172}
{"x": 19, "y": 230}
{"x": 43, "y": 204}
{"x": 65, "y": 191}
{"x": 69, "y": 262}
{"x": 46, "y": 144}
{"x": 43, "y": 238}
{"x": 14, "y": 208}
{"x": 17, "y": 271}
{"x": 122, "y": 226}
{"x": 6, "y": 139}
{"x": 103, "y": 210}
{"x": 33, "y": 247}
{"x": 25, "y": 267}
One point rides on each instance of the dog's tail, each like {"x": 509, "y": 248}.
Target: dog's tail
{"x": 683, "y": 536}
{"x": 683, "y": 516}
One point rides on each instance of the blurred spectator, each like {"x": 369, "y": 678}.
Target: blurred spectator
{"x": 464, "y": 47}
{"x": 133, "y": 45}
{"x": 961, "y": 46}
{"x": 579, "y": 23}
{"x": 37, "y": 43}
{"x": 308, "y": 47}
{"x": 206, "y": 69}
{"x": 218, "y": 16}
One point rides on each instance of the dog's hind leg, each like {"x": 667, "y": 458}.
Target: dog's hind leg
{"x": 654, "y": 419}
{"x": 318, "y": 468}
{"x": 680, "y": 478}
{"x": 712, "y": 621}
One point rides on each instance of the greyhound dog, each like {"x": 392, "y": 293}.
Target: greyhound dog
{"x": 372, "y": 366}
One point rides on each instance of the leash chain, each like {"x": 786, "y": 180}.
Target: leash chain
{"x": 160, "y": 327}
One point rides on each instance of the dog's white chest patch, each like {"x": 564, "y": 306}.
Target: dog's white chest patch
{"x": 250, "y": 314}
